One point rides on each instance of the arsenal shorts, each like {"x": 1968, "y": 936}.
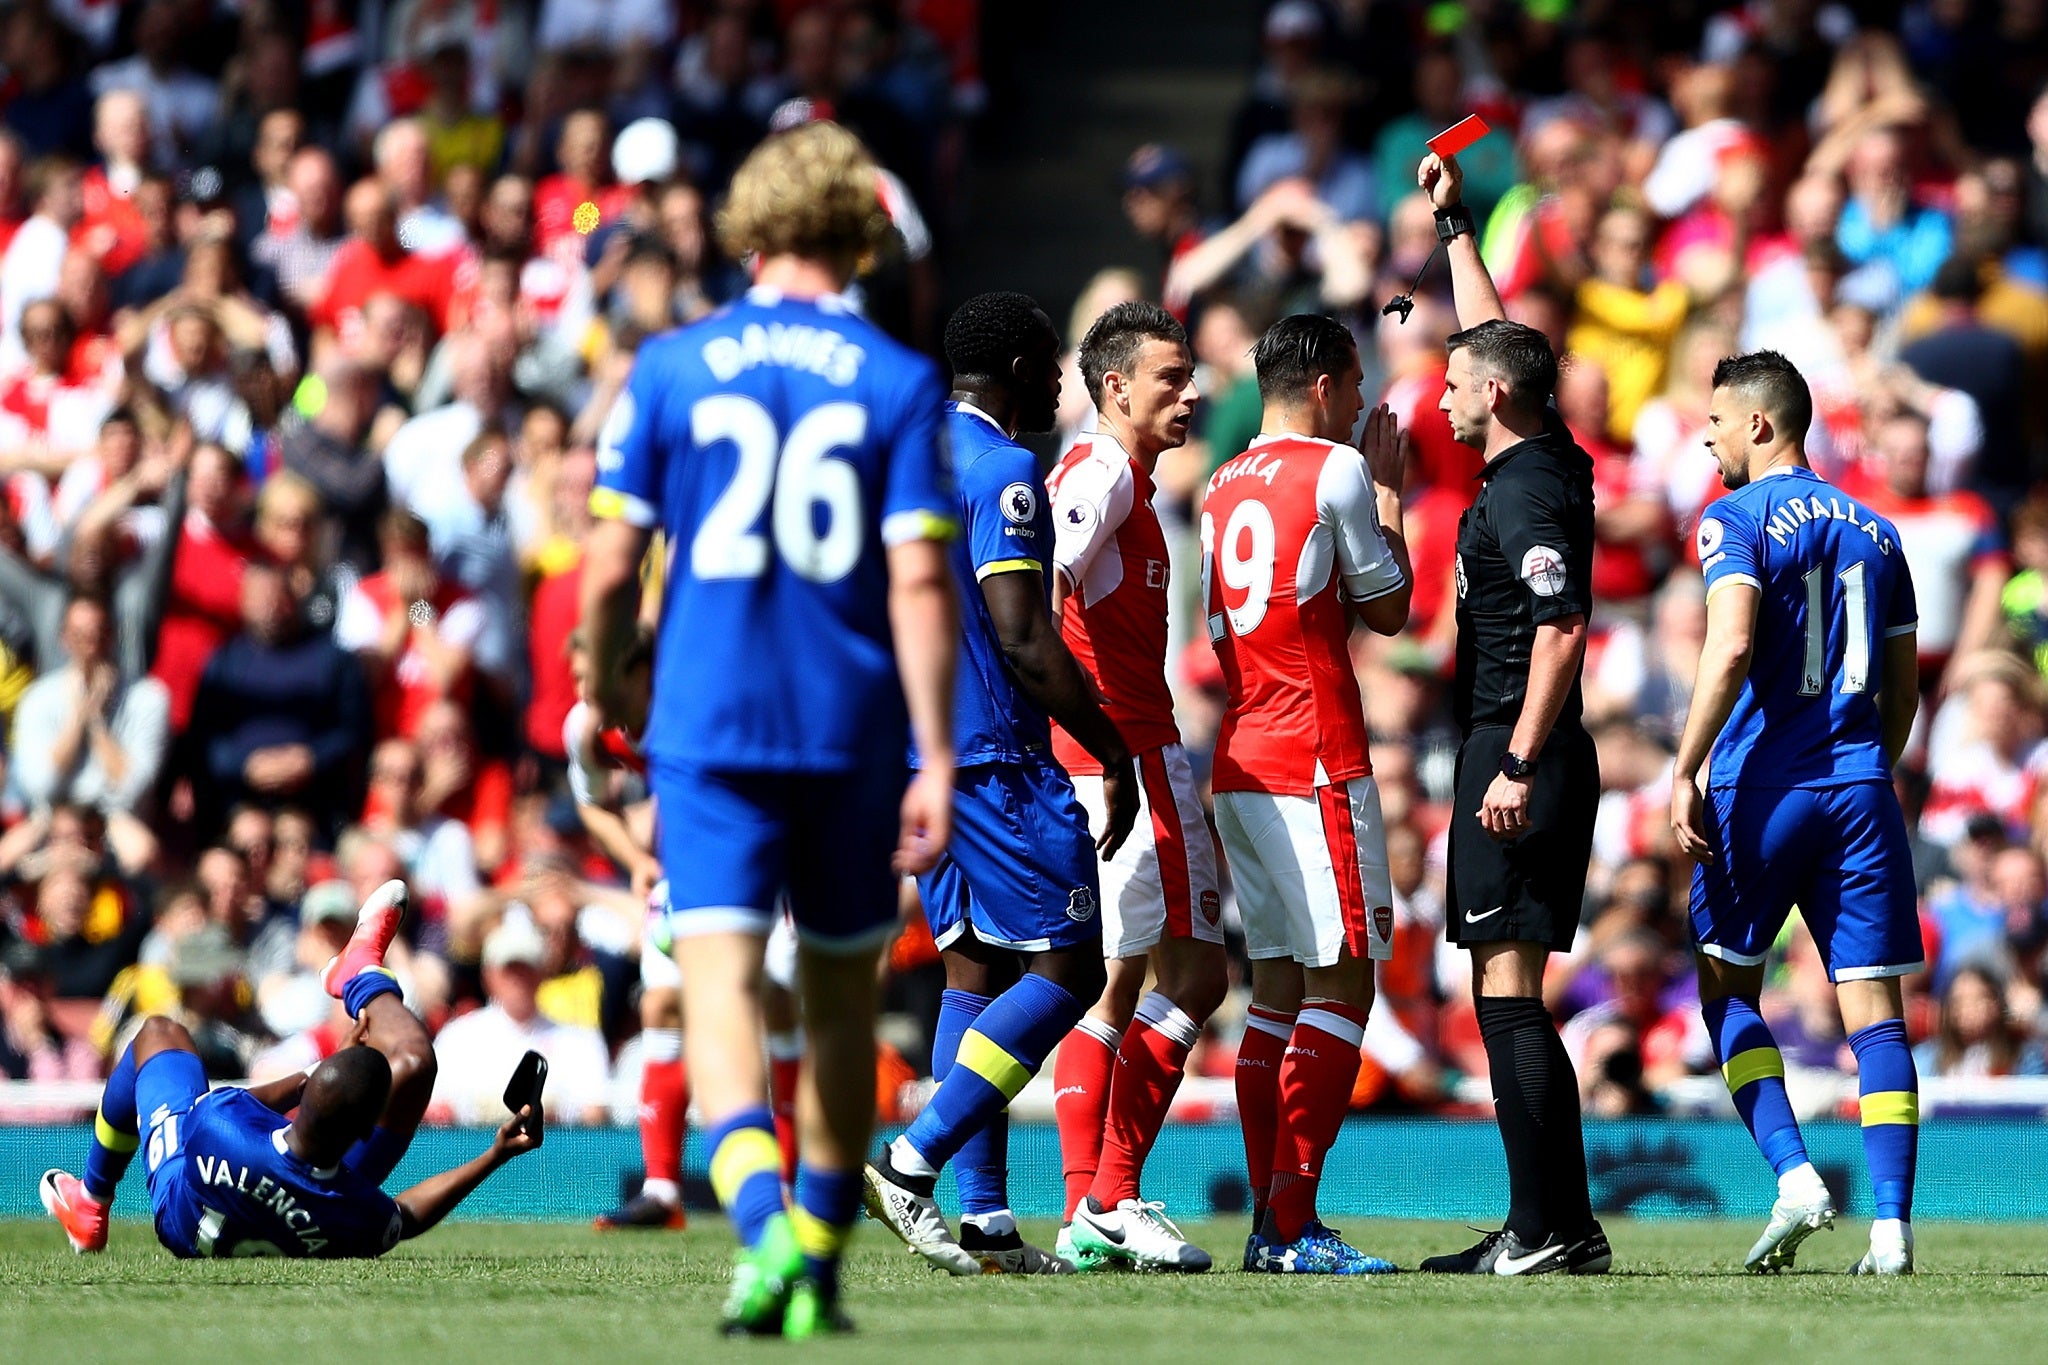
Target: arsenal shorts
{"x": 1163, "y": 880}
{"x": 1311, "y": 872}
{"x": 1528, "y": 889}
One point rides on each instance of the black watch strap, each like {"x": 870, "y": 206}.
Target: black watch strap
{"x": 1515, "y": 766}
{"x": 1453, "y": 222}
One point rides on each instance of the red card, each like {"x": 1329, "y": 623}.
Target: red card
{"x": 1459, "y": 136}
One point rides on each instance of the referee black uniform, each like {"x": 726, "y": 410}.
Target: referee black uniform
{"x": 1525, "y": 556}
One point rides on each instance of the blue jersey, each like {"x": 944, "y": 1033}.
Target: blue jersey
{"x": 782, "y": 444}
{"x": 1834, "y": 588}
{"x": 1006, "y": 527}
{"x": 230, "y": 1186}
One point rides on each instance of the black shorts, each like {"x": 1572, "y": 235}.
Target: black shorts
{"x": 1528, "y": 890}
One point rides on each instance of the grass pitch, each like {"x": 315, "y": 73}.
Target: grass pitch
{"x": 512, "y": 1294}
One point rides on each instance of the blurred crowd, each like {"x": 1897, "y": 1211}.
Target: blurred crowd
{"x": 1864, "y": 189}
{"x": 310, "y": 315}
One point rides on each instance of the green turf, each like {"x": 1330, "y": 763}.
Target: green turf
{"x": 513, "y": 1295}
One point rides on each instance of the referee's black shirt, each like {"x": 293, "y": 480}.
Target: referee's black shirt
{"x": 1525, "y": 556}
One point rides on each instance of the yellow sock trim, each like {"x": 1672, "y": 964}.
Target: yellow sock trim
{"x": 1756, "y": 1064}
{"x": 112, "y": 1138}
{"x": 743, "y": 1155}
{"x": 1891, "y": 1106}
{"x": 981, "y": 1056}
{"x": 816, "y": 1236}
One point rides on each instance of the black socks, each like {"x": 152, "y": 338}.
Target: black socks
{"x": 1536, "y": 1100}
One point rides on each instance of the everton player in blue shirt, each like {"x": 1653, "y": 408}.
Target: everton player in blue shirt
{"x": 793, "y": 455}
{"x": 1018, "y": 884}
{"x": 1806, "y": 692}
{"x": 229, "y": 1175}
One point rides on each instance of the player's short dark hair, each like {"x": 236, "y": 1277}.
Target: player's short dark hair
{"x": 1113, "y": 342}
{"x": 1297, "y": 351}
{"x": 346, "y": 1094}
{"x": 1516, "y": 354}
{"x": 989, "y": 331}
{"x": 1774, "y": 384}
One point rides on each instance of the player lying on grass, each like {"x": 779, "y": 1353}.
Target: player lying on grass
{"x": 230, "y": 1176}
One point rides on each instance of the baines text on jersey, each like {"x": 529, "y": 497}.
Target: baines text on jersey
{"x": 814, "y": 350}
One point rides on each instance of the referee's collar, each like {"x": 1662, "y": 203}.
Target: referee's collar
{"x": 1553, "y": 435}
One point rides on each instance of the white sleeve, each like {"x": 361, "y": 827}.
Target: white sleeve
{"x": 463, "y": 624}
{"x": 1089, "y": 505}
{"x": 582, "y": 780}
{"x": 1345, "y": 502}
{"x": 1955, "y": 433}
{"x": 358, "y": 624}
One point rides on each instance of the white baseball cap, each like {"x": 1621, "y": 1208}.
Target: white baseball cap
{"x": 516, "y": 940}
{"x": 645, "y": 149}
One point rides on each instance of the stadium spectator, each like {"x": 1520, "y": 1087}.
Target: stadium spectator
{"x": 1977, "y": 1035}
{"x": 35, "y": 253}
{"x": 85, "y": 735}
{"x": 438, "y": 854}
{"x": 278, "y": 714}
{"x": 479, "y": 1049}
{"x": 415, "y": 632}
{"x": 31, "y": 1049}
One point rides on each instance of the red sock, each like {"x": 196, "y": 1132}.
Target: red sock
{"x": 1316, "y": 1078}
{"x": 1149, "y": 1067}
{"x": 664, "y": 1100}
{"x": 1259, "y": 1055}
{"x": 1080, "y": 1100}
{"x": 782, "y": 1076}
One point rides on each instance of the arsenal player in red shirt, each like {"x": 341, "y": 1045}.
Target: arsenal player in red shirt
{"x": 1160, "y": 905}
{"x": 1301, "y": 535}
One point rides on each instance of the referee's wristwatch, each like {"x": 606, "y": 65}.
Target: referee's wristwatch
{"x": 1515, "y": 766}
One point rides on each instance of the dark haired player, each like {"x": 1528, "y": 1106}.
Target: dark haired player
{"x": 229, "y": 1175}
{"x": 1301, "y": 534}
{"x": 1521, "y": 830}
{"x": 1160, "y": 907}
{"x": 1017, "y": 886}
{"x": 1807, "y": 686}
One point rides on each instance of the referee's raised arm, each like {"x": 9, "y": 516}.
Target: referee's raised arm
{"x": 1472, "y": 291}
{"x": 1521, "y": 830}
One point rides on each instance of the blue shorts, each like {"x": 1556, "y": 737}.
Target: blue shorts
{"x": 1020, "y": 866}
{"x": 733, "y": 842}
{"x": 1838, "y": 853}
{"x": 166, "y": 1088}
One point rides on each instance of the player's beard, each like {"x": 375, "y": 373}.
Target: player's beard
{"x": 1735, "y": 478}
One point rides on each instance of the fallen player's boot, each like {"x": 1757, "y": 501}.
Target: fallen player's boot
{"x": 83, "y": 1218}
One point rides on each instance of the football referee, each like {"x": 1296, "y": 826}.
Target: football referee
{"x": 1521, "y": 829}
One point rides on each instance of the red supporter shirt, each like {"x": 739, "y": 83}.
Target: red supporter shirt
{"x": 1290, "y": 539}
{"x": 1947, "y": 539}
{"x": 1435, "y": 457}
{"x": 204, "y": 608}
{"x": 359, "y": 272}
{"x": 112, "y": 229}
{"x": 402, "y": 698}
{"x": 1109, "y": 550}
{"x": 556, "y": 199}
{"x": 556, "y": 607}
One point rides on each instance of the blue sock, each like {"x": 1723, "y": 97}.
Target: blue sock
{"x": 365, "y": 986}
{"x": 746, "y": 1170}
{"x": 1755, "y": 1072}
{"x": 1001, "y": 1052}
{"x": 378, "y": 1155}
{"x": 982, "y": 1164}
{"x": 827, "y": 1202}
{"x": 116, "y": 1132}
{"x": 1891, "y": 1113}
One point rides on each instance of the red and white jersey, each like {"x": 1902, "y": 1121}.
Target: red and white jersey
{"x": 1290, "y": 537}
{"x": 1109, "y": 550}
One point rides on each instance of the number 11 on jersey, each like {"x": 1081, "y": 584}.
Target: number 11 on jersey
{"x": 1855, "y": 647}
